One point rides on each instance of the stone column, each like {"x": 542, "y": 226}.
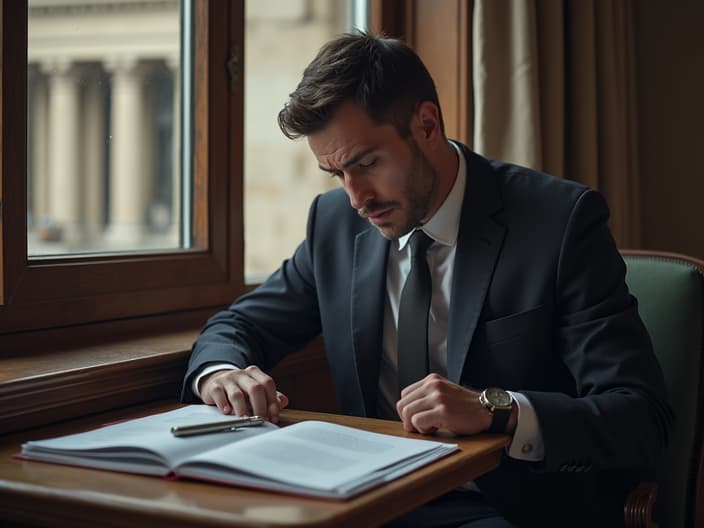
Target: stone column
{"x": 64, "y": 176}
{"x": 127, "y": 175}
{"x": 94, "y": 154}
{"x": 149, "y": 147}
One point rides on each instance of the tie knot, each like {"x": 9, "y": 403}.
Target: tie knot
{"x": 419, "y": 243}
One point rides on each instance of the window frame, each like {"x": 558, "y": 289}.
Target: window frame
{"x": 41, "y": 293}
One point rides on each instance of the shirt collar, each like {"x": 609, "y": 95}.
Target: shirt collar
{"x": 445, "y": 223}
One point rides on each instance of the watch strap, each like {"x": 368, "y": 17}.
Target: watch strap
{"x": 499, "y": 420}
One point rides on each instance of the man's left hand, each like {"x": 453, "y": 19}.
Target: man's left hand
{"x": 435, "y": 403}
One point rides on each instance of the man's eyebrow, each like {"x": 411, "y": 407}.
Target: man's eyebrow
{"x": 354, "y": 159}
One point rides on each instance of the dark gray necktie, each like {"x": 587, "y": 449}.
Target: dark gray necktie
{"x": 413, "y": 314}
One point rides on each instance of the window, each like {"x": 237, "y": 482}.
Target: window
{"x": 103, "y": 115}
{"x": 67, "y": 287}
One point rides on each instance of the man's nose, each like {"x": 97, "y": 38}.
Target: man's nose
{"x": 358, "y": 190}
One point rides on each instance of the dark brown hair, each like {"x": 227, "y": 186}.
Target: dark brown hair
{"x": 383, "y": 75}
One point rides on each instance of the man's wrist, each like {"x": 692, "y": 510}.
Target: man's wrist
{"x": 205, "y": 372}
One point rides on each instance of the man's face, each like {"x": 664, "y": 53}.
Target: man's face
{"x": 388, "y": 179}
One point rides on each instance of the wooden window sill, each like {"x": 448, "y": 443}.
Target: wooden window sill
{"x": 54, "y": 375}
{"x": 48, "y": 385}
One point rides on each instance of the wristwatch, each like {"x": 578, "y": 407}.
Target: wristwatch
{"x": 500, "y": 404}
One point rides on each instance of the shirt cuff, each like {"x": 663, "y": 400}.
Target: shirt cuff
{"x": 527, "y": 443}
{"x": 209, "y": 369}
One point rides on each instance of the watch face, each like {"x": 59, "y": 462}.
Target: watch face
{"x": 498, "y": 397}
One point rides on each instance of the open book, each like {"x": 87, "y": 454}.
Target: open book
{"x": 308, "y": 458}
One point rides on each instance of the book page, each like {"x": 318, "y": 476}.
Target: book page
{"x": 316, "y": 455}
{"x": 144, "y": 445}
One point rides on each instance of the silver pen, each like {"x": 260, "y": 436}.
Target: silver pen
{"x": 216, "y": 427}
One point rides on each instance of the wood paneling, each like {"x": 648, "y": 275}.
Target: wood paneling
{"x": 305, "y": 379}
{"x": 393, "y": 18}
{"x": 440, "y": 36}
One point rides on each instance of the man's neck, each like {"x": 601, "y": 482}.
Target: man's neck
{"x": 446, "y": 165}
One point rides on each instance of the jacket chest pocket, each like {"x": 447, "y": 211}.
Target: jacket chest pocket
{"x": 512, "y": 351}
{"x": 524, "y": 325}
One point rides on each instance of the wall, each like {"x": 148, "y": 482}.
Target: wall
{"x": 670, "y": 70}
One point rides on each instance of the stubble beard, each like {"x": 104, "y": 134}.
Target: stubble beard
{"x": 419, "y": 193}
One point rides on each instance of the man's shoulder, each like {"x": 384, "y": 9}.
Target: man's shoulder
{"x": 524, "y": 196}
{"x": 534, "y": 182}
{"x": 514, "y": 180}
{"x": 524, "y": 188}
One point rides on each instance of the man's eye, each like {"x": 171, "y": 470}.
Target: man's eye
{"x": 367, "y": 165}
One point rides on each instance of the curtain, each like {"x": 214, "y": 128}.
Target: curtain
{"x": 553, "y": 87}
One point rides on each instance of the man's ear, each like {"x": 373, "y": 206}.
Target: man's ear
{"x": 427, "y": 117}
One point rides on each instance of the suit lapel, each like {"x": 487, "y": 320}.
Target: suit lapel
{"x": 479, "y": 242}
{"x": 368, "y": 301}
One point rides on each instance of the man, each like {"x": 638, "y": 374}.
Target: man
{"x": 527, "y": 299}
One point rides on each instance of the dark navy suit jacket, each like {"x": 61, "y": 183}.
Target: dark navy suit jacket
{"x": 538, "y": 305}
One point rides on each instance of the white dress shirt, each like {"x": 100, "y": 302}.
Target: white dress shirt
{"x": 443, "y": 227}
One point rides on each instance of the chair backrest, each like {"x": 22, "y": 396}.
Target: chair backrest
{"x": 670, "y": 292}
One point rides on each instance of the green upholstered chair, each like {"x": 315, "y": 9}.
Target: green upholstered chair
{"x": 670, "y": 292}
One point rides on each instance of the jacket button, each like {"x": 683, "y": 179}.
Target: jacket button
{"x": 526, "y": 448}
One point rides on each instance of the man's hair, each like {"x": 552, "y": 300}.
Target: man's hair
{"x": 382, "y": 75}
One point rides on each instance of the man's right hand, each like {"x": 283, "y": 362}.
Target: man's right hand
{"x": 244, "y": 392}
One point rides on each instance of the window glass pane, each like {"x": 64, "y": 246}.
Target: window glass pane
{"x": 104, "y": 126}
{"x": 282, "y": 176}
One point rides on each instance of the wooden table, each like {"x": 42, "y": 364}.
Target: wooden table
{"x": 53, "y": 495}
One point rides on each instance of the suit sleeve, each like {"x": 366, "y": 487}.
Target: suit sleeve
{"x": 620, "y": 416}
{"x": 260, "y": 328}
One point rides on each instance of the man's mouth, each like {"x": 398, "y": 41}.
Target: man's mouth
{"x": 378, "y": 217}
